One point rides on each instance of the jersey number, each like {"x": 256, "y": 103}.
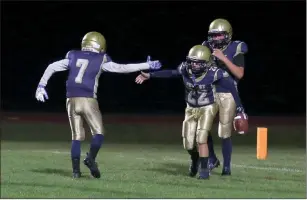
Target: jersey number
{"x": 82, "y": 64}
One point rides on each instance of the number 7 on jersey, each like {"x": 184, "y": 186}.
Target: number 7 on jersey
{"x": 82, "y": 64}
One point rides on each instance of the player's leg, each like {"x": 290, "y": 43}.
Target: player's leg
{"x": 189, "y": 126}
{"x": 213, "y": 160}
{"x": 205, "y": 122}
{"x": 227, "y": 110}
{"x": 93, "y": 118}
{"x": 78, "y": 135}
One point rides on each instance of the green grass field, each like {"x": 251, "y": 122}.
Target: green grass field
{"x": 147, "y": 161}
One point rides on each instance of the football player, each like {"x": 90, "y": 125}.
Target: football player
{"x": 199, "y": 75}
{"x": 85, "y": 67}
{"x": 229, "y": 56}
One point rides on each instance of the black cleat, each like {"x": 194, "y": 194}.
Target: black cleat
{"x": 92, "y": 165}
{"x": 76, "y": 167}
{"x": 193, "y": 169}
{"x": 214, "y": 164}
{"x": 226, "y": 171}
{"x": 76, "y": 174}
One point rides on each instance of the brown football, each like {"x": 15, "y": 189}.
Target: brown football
{"x": 240, "y": 123}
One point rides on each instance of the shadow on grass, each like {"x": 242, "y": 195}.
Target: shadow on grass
{"x": 91, "y": 189}
{"x": 60, "y": 172}
{"x": 174, "y": 169}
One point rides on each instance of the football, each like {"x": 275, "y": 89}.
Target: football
{"x": 240, "y": 123}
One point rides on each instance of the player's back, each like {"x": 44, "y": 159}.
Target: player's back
{"x": 84, "y": 73}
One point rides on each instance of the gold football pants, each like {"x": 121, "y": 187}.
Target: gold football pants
{"x": 197, "y": 124}
{"x": 83, "y": 108}
{"x": 227, "y": 111}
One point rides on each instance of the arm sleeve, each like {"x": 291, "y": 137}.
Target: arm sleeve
{"x": 165, "y": 74}
{"x": 123, "y": 68}
{"x": 238, "y": 58}
{"x": 58, "y": 66}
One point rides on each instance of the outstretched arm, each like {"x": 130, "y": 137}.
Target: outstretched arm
{"x": 159, "y": 74}
{"x": 122, "y": 68}
{"x": 165, "y": 74}
{"x": 128, "y": 68}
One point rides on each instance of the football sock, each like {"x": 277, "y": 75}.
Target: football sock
{"x": 75, "y": 155}
{"x": 75, "y": 149}
{"x": 96, "y": 143}
{"x": 212, "y": 155}
{"x": 194, "y": 155}
{"x": 203, "y": 162}
{"x": 226, "y": 150}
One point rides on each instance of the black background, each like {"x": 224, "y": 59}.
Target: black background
{"x": 35, "y": 34}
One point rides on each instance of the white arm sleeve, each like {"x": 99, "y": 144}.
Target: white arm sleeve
{"x": 121, "y": 68}
{"x": 58, "y": 66}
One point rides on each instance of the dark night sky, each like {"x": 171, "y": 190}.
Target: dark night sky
{"x": 34, "y": 34}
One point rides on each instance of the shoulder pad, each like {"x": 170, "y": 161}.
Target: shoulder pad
{"x": 213, "y": 68}
{"x": 205, "y": 43}
{"x": 108, "y": 58}
{"x": 241, "y": 47}
{"x": 68, "y": 54}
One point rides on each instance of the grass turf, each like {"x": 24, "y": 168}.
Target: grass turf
{"x": 35, "y": 163}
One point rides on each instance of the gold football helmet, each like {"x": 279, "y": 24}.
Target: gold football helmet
{"x": 198, "y": 59}
{"x": 219, "y": 34}
{"x": 94, "y": 40}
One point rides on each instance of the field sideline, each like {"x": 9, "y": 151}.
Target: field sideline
{"x": 142, "y": 158}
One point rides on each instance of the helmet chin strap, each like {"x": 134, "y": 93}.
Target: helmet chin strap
{"x": 89, "y": 49}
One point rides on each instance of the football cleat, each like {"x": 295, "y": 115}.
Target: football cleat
{"x": 204, "y": 174}
{"x": 76, "y": 174}
{"x": 226, "y": 171}
{"x": 214, "y": 164}
{"x": 193, "y": 169}
{"x": 92, "y": 165}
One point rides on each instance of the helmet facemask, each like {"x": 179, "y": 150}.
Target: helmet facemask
{"x": 218, "y": 39}
{"x": 197, "y": 67}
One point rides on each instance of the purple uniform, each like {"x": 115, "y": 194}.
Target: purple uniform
{"x": 199, "y": 91}
{"x": 235, "y": 53}
{"x": 84, "y": 72}
{"x": 85, "y": 68}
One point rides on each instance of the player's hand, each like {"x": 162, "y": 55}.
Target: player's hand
{"x": 219, "y": 54}
{"x": 41, "y": 93}
{"x": 142, "y": 77}
{"x": 153, "y": 65}
{"x": 240, "y": 110}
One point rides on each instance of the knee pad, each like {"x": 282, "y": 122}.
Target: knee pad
{"x": 225, "y": 130}
{"x": 188, "y": 145}
{"x": 188, "y": 134}
{"x": 202, "y": 136}
{"x": 78, "y": 136}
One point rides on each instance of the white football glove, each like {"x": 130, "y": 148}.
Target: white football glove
{"x": 41, "y": 93}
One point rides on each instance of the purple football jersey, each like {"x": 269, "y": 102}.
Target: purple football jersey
{"x": 84, "y": 72}
{"x": 234, "y": 48}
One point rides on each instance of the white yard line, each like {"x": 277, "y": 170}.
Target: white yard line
{"x": 284, "y": 169}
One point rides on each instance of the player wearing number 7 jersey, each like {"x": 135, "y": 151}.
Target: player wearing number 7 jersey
{"x": 85, "y": 67}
